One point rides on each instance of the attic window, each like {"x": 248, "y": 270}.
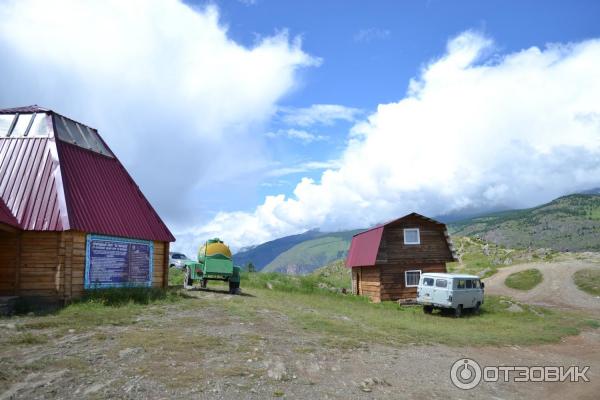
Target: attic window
{"x": 412, "y": 236}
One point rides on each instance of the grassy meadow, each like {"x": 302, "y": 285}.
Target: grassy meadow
{"x": 588, "y": 280}
{"x": 524, "y": 280}
{"x": 309, "y": 305}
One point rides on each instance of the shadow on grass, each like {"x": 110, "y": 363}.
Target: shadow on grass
{"x": 466, "y": 313}
{"x": 114, "y": 297}
{"x": 218, "y": 291}
{"x": 122, "y": 296}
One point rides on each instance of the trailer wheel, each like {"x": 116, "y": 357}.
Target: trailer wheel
{"x": 188, "y": 283}
{"x": 234, "y": 287}
{"x": 204, "y": 283}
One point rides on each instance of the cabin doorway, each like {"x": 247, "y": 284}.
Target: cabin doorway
{"x": 356, "y": 288}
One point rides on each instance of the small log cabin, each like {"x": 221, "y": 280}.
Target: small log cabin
{"x": 387, "y": 260}
{"x": 71, "y": 218}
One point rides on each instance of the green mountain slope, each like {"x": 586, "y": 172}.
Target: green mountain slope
{"x": 264, "y": 253}
{"x": 311, "y": 254}
{"x": 567, "y": 223}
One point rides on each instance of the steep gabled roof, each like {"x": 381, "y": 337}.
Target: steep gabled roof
{"x": 365, "y": 245}
{"x": 31, "y": 185}
{"x": 57, "y": 174}
{"x": 103, "y": 198}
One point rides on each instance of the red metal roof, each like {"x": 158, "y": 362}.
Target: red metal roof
{"x": 103, "y": 198}
{"x": 47, "y": 184}
{"x": 30, "y": 184}
{"x": 6, "y": 216}
{"x": 364, "y": 248}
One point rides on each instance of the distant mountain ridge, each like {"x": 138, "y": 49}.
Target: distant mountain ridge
{"x": 570, "y": 222}
{"x": 306, "y": 256}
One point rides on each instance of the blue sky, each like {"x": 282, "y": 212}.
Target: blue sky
{"x": 251, "y": 120}
{"x": 369, "y": 53}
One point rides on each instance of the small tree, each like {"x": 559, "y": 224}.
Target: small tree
{"x": 250, "y": 267}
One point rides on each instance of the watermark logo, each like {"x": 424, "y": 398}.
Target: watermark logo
{"x": 467, "y": 374}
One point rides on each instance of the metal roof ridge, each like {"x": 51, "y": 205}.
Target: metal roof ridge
{"x": 398, "y": 219}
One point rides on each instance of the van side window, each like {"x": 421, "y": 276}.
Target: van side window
{"x": 469, "y": 284}
{"x": 476, "y": 284}
{"x": 460, "y": 284}
{"x": 427, "y": 281}
{"x": 441, "y": 283}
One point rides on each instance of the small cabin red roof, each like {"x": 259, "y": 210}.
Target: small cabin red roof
{"x": 365, "y": 245}
{"x": 57, "y": 174}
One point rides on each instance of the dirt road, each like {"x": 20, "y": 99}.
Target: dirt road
{"x": 196, "y": 350}
{"x": 557, "y": 288}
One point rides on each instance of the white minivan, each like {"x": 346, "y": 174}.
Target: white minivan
{"x": 450, "y": 291}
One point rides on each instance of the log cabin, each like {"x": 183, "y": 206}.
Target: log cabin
{"x": 71, "y": 217}
{"x": 387, "y": 260}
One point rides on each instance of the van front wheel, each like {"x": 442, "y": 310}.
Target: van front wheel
{"x": 458, "y": 311}
{"x": 427, "y": 309}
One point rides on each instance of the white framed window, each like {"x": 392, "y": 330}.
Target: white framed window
{"x": 412, "y": 278}
{"x": 412, "y": 236}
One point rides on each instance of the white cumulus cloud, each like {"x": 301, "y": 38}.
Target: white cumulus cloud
{"x": 318, "y": 114}
{"x": 175, "y": 97}
{"x": 297, "y": 134}
{"x": 475, "y": 129}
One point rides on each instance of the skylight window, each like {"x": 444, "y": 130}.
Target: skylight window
{"x": 41, "y": 126}
{"x": 5, "y": 124}
{"x": 25, "y": 125}
{"x": 80, "y": 135}
{"x": 21, "y": 125}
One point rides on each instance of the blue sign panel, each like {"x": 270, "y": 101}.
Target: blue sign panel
{"x": 117, "y": 262}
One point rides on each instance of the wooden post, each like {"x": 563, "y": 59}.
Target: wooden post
{"x": 166, "y": 265}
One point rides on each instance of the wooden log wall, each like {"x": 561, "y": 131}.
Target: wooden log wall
{"x": 433, "y": 247}
{"x": 72, "y": 250}
{"x": 40, "y": 271}
{"x": 393, "y": 285}
{"x": 161, "y": 250}
{"x": 9, "y": 245}
{"x": 368, "y": 283}
{"x": 52, "y": 264}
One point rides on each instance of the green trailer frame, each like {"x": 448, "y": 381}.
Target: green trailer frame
{"x": 217, "y": 267}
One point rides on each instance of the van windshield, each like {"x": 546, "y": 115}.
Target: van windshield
{"x": 427, "y": 281}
